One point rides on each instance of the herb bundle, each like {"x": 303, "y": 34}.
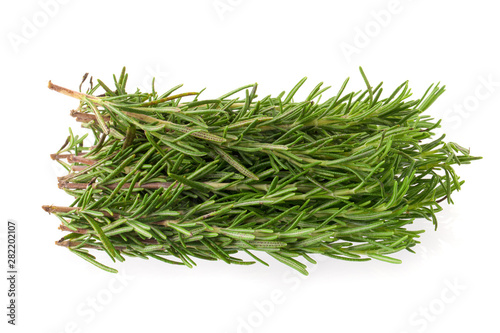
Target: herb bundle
{"x": 176, "y": 177}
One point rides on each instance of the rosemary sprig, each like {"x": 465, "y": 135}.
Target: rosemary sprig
{"x": 175, "y": 179}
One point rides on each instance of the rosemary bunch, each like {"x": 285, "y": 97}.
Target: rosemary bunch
{"x": 175, "y": 177}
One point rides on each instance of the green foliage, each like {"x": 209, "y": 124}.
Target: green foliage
{"x": 207, "y": 178}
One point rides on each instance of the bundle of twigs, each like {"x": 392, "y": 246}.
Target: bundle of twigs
{"x": 175, "y": 180}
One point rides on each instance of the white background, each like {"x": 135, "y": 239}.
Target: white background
{"x": 450, "y": 285}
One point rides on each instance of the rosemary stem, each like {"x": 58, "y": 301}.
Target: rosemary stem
{"x": 70, "y": 93}
{"x": 177, "y": 175}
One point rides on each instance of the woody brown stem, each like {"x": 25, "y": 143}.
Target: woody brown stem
{"x": 73, "y": 158}
{"x": 79, "y": 159}
{"x": 59, "y": 209}
{"x": 67, "y": 243}
{"x": 69, "y": 92}
{"x": 78, "y": 167}
{"x": 86, "y": 117}
{"x": 77, "y": 230}
{"x": 59, "y": 156}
